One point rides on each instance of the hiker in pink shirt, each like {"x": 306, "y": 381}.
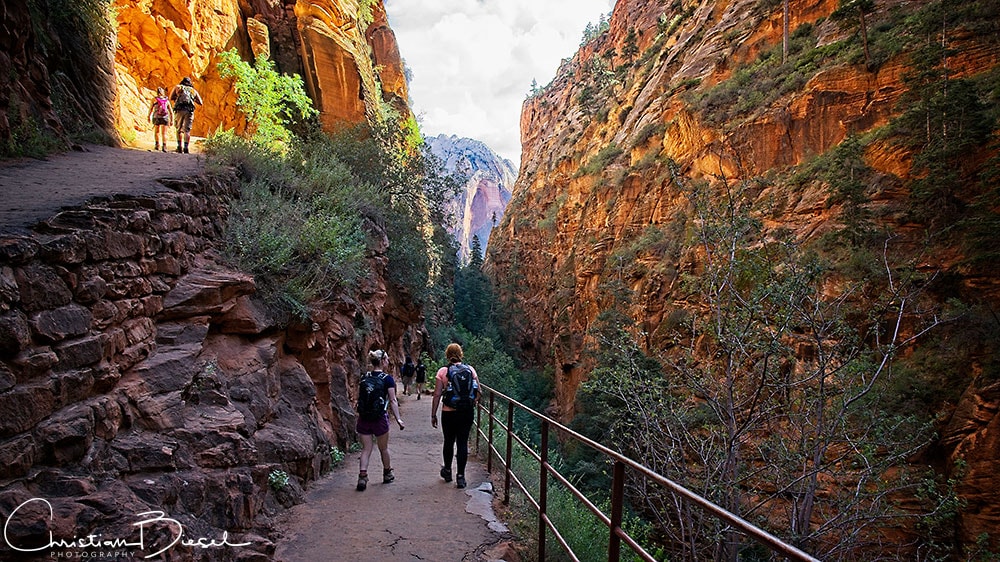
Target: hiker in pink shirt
{"x": 161, "y": 117}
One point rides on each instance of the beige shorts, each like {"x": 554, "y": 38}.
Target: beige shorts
{"x": 183, "y": 119}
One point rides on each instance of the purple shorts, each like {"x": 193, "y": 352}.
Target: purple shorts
{"x": 376, "y": 428}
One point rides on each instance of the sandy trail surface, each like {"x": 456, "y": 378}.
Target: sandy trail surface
{"x": 417, "y": 517}
{"x": 34, "y": 190}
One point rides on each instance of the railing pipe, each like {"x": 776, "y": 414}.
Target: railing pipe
{"x": 621, "y": 463}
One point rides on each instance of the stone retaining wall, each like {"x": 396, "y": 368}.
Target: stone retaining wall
{"x": 138, "y": 373}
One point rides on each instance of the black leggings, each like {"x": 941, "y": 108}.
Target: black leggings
{"x": 456, "y": 425}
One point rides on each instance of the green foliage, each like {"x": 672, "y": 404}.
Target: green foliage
{"x": 270, "y": 101}
{"x": 336, "y": 456}
{"x": 593, "y": 31}
{"x": 475, "y": 303}
{"x": 278, "y": 480}
{"x": 366, "y": 12}
{"x": 761, "y": 83}
{"x": 648, "y": 131}
{"x": 299, "y": 225}
{"x": 28, "y": 138}
{"x": 601, "y": 160}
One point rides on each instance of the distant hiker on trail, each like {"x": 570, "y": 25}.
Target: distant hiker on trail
{"x": 456, "y": 387}
{"x": 376, "y": 394}
{"x": 421, "y": 373}
{"x": 161, "y": 118}
{"x": 407, "y": 371}
{"x": 184, "y": 97}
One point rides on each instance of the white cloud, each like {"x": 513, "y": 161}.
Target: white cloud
{"x": 473, "y": 60}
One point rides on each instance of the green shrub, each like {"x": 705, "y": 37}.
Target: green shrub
{"x": 278, "y": 480}
{"x": 605, "y": 156}
{"x": 270, "y": 101}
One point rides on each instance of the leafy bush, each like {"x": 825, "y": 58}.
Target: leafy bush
{"x": 605, "y": 156}
{"x": 278, "y": 480}
{"x": 299, "y": 223}
{"x": 269, "y": 100}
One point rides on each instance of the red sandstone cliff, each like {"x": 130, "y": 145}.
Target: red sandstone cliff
{"x": 568, "y": 217}
{"x": 80, "y": 71}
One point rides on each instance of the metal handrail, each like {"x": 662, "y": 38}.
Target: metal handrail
{"x": 613, "y": 520}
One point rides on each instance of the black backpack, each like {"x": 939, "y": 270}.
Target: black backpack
{"x": 462, "y": 388}
{"x": 373, "y": 397}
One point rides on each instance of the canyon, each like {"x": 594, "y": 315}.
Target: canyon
{"x": 139, "y": 371}
{"x": 480, "y": 205}
{"x": 671, "y": 96}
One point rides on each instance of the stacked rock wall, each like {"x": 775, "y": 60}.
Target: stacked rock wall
{"x": 138, "y": 374}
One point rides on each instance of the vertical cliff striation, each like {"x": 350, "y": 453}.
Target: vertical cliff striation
{"x": 479, "y": 207}
{"x": 95, "y": 66}
{"x": 678, "y": 93}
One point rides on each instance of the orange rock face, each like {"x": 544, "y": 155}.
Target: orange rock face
{"x": 569, "y": 216}
{"x": 162, "y": 41}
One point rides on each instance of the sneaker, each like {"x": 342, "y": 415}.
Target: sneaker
{"x": 362, "y": 482}
{"x": 164, "y": 148}
{"x": 460, "y": 481}
{"x": 446, "y": 474}
{"x": 387, "y": 476}
{"x": 157, "y": 147}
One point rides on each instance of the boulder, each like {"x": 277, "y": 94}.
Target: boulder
{"x": 59, "y": 323}
{"x": 205, "y": 292}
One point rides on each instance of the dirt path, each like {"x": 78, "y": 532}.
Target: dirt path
{"x": 417, "y": 517}
{"x": 34, "y": 190}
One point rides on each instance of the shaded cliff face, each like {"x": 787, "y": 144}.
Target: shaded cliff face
{"x": 138, "y": 373}
{"x": 335, "y": 45}
{"x": 480, "y": 206}
{"x": 601, "y": 147}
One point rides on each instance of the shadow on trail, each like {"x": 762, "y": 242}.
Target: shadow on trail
{"x": 417, "y": 517}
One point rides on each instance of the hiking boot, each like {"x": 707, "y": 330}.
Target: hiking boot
{"x": 185, "y": 149}
{"x": 362, "y": 482}
{"x": 387, "y": 476}
{"x": 460, "y": 481}
{"x": 446, "y": 474}
{"x": 179, "y": 149}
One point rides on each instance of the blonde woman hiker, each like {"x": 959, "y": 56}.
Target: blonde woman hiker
{"x": 376, "y": 395}
{"x": 161, "y": 117}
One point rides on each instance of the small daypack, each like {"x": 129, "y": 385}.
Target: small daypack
{"x": 162, "y": 108}
{"x": 184, "y": 100}
{"x": 373, "y": 397}
{"x": 461, "y": 391}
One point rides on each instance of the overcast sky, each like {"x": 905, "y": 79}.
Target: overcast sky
{"x": 473, "y": 60}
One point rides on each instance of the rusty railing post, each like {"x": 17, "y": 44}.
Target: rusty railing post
{"x": 617, "y": 508}
{"x": 510, "y": 449}
{"x": 543, "y": 489}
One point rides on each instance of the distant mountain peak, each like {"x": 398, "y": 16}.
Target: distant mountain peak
{"x": 480, "y": 206}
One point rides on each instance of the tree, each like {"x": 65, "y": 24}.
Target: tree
{"x": 270, "y": 101}
{"x": 631, "y": 46}
{"x": 474, "y": 300}
{"x": 773, "y": 395}
{"x": 847, "y": 9}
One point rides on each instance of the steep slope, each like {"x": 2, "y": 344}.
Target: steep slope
{"x": 480, "y": 205}
{"x": 674, "y": 94}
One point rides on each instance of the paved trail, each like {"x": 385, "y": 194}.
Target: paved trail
{"x": 417, "y": 517}
{"x": 34, "y": 190}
